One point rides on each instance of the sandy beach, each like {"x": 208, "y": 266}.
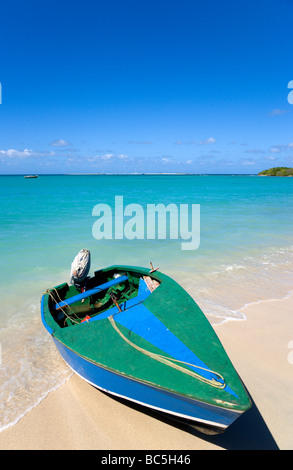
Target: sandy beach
{"x": 78, "y": 417}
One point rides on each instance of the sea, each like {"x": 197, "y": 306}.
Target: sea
{"x": 244, "y": 254}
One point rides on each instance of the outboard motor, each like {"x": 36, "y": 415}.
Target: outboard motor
{"x": 80, "y": 269}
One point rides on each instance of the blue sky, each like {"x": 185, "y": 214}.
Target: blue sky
{"x": 145, "y": 86}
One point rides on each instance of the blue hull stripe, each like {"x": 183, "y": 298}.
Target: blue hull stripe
{"x": 141, "y": 321}
{"x": 146, "y": 395}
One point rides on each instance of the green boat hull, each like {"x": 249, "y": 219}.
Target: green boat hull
{"x": 153, "y": 347}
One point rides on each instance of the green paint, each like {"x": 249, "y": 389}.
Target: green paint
{"x": 172, "y": 305}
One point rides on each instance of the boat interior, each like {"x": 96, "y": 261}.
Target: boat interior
{"x": 112, "y": 289}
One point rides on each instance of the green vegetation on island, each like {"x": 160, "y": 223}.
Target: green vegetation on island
{"x": 277, "y": 171}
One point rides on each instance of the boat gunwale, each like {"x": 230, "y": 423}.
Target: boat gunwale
{"x": 56, "y": 332}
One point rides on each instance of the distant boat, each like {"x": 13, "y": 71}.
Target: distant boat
{"x": 138, "y": 335}
{"x": 31, "y": 176}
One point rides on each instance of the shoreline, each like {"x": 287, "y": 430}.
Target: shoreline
{"x": 76, "y": 416}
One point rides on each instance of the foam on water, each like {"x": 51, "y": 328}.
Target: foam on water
{"x": 30, "y": 365}
{"x": 223, "y": 291}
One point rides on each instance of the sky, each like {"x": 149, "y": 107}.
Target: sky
{"x": 112, "y": 86}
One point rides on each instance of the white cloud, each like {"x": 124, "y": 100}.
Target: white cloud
{"x": 210, "y": 140}
{"x": 278, "y": 112}
{"x": 142, "y": 142}
{"x": 14, "y": 153}
{"x": 123, "y": 157}
{"x": 281, "y": 147}
{"x": 105, "y": 157}
{"x": 248, "y": 162}
{"x": 188, "y": 142}
{"x": 254, "y": 151}
{"x": 60, "y": 143}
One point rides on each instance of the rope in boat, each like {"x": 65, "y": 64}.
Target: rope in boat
{"x": 48, "y": 291}
{"x": 171, "y": 362}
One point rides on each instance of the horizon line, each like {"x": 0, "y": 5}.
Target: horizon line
{"x": 132, "y": 174}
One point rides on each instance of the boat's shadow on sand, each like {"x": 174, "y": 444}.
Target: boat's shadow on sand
{"x": 249, "y": 432}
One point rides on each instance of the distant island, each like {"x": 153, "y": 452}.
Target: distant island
{"x": 277, "y": 171}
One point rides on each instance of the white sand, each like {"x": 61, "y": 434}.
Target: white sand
{"x": 77, "y": 416}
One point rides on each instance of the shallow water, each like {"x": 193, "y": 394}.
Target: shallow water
{"x": 245, "y": 255}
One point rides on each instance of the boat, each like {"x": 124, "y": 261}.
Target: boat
{"x": 31, "y": 176}
{"x": 136, "y": 334}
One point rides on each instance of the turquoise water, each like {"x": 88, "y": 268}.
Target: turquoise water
{"x": 245, "y": 255}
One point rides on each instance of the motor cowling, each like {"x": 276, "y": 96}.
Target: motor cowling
{"x": 80, "y": 267}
